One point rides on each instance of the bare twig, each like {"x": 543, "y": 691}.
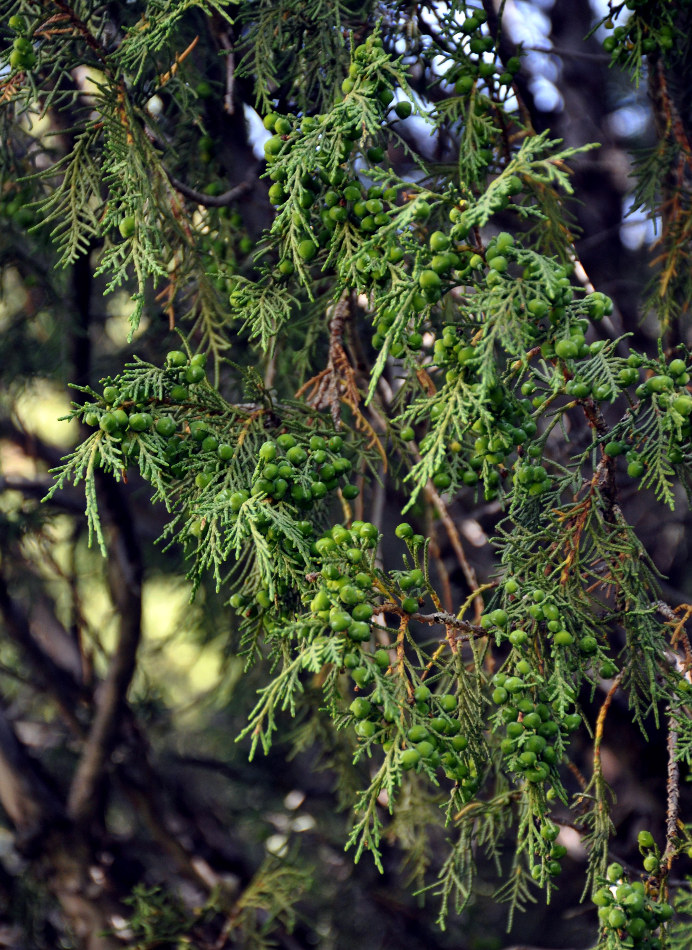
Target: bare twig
{"x": 440, "y": 617}
{"x": 673, "y": 795}
{"x": 214, "y": 201}
{"x": 455, "y": 540}
{"x": 228, "y": 104}
{"x": 600, "y": 725}
{"x": 568, "y": 53}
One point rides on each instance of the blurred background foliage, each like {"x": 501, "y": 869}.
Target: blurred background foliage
{"x": 188, "y": 820}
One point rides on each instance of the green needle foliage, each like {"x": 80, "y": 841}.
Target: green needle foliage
{"x": 410, "y": 326}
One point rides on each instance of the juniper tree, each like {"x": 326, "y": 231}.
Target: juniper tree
{"x": 386, "y": 311}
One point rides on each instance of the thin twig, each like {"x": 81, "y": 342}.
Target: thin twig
{"x": 673, "y": 795}
{"x": 230, "y": 73}
{"x": 567, "y": 53}
{"x": 600, "y": 723}
{"x": 213, "y": 201}
{"x": 440, "y": 617}
{"x": 455, "y": 540}
{"x": 170, "y": 73}
{"x": 401, "y": 655}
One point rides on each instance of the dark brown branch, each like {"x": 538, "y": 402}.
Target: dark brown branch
{"x": 229, "y": 95}
{"x": 68, "y": 500}
{"x": 568, "y": 53}
{"x": 32, "y": 446}
{"x": 42, "y": 832}
{"x": 103, "y": 734}
{"x": 125, "y": 582}
{"x": 25, "y": 797}
{"x": 213, "y": 201}
{"x": 54, "y": 679}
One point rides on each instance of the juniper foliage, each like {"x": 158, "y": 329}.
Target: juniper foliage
{"x": 405, "y": 326}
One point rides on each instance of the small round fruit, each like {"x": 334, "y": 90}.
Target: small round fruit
{"x": 238, "y": 499}
{"x": 614, "y": 448}
{"x": 645, "y": 839}
{"x": 429, "y": 280}
{"x": 636, "y": 928}
{"x": 108, "y": 423}
{"x": 359, "y": 631}
{"x": 176, "y": 358}
{"x": 683, "y": 404}
{"x": 339, "y": 620}
{"x": 360, "y": 708}
{"x": 194, "y": 373}
{"x": 439, "y": 242}
{"x": 566, "y": 349}
{"x": 617, "y": 918}
{"x": 166, "y": 426}
{"x": 267, "y": 451}
{"x": 127, "y": 226}
{"x": 366, "y": 729}
{"x": 409, "y": 759}
{"x": 272, "y": 147}
{"x": 442, "y": 481}
{"x": 111, "y": 394}
{"x": 307, "y": 249}
{"x": 140, "y": 421}
{"x": 296, "y": 455}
